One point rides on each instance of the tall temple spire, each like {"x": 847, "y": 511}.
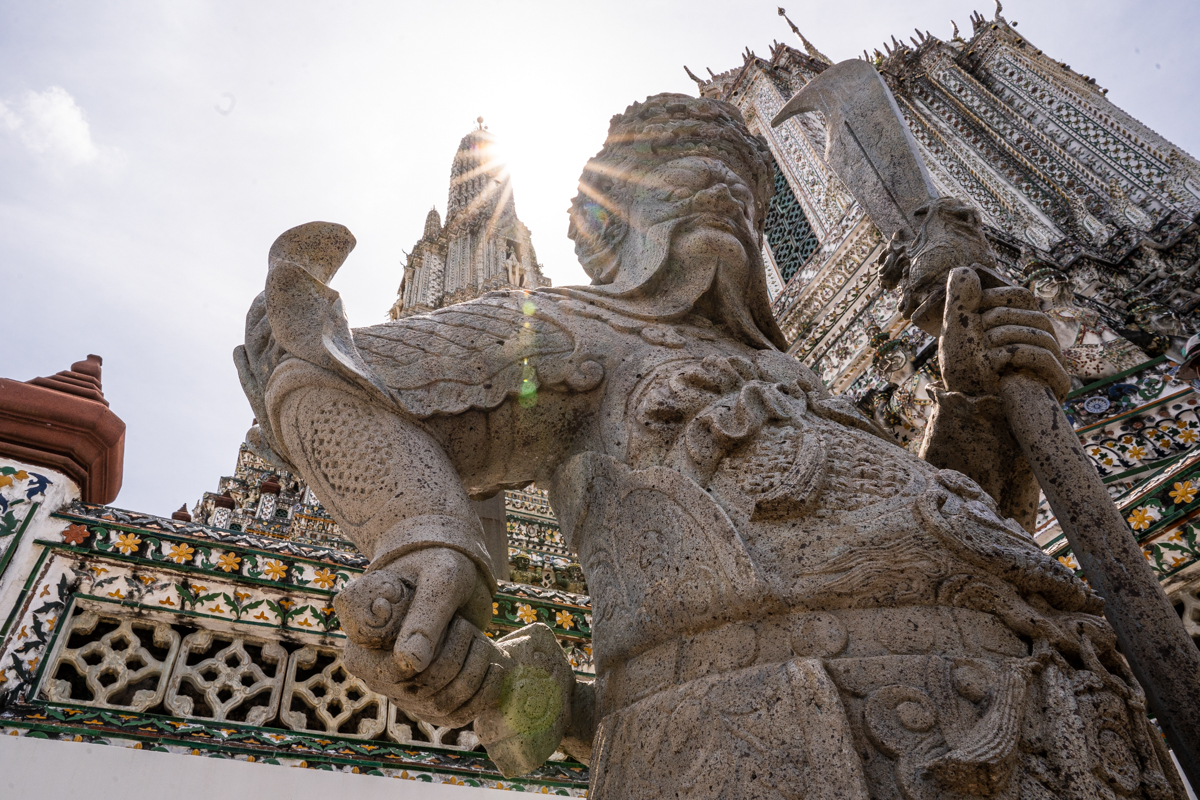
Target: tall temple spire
{"x": 809, "y": 47}
{"x": 480, "y": 246}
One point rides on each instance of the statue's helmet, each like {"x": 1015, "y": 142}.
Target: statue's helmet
{"x": 651, "y": 133}
{"x": 662, "y": 129}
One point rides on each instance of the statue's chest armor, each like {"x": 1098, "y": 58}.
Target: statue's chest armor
{"x": 765, "y": 446}
{"x": 735, "y": 490}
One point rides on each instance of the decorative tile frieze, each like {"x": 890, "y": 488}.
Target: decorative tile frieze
{"x": 21, "y": 493}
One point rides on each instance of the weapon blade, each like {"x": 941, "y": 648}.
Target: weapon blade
{"x": 867, "y": 143}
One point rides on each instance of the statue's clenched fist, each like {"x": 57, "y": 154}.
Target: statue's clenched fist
{"x": 987, "y": 333}
{"x": 414, "y": 633}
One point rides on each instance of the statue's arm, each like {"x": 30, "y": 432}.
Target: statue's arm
{"x": 384, "y": 477}
{"x": 971, "y": 435}
{"x": 985, "y": 335}
{"x": 414, "y": 621}
{"x": 398, "y": 497}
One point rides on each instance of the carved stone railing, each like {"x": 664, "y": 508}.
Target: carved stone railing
{"x": 138, "y": 631}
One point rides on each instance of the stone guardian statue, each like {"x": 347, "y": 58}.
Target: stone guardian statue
{"x": 786, "y": 603}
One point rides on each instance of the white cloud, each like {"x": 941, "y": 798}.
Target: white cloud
{"x": 50, "y": 124}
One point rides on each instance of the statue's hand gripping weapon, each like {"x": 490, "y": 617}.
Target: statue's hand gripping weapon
{"x": 523, "y": 703}
{"x": 871, "y": 149}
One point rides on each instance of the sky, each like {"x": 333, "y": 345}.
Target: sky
{"x": 151, "y": 152}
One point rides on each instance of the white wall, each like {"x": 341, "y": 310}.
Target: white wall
{"x": 49, "y": 770}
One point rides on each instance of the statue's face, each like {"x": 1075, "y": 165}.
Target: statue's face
{"x": 716, "y": 202}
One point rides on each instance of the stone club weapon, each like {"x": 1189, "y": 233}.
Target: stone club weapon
{"x": 525, "y": 694}
{"x": 870, "y": 147}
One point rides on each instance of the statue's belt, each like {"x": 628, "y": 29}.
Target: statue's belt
{"x": 836, "y": 634}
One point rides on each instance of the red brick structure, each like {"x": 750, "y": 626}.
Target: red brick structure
{"x": 64, "y": 423}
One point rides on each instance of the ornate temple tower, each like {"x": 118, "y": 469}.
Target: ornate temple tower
{"x": 1061, "y": 176}
{"x": 483, "y": 245}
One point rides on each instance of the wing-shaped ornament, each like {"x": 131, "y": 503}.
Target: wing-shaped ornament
{"x": 475, "y": 355}
{"x": 472, "y": 355}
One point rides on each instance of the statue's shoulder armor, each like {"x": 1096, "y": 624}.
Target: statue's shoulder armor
{"x": 477, "y": 354}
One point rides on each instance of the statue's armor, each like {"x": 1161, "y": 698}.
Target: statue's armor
{"x": 835, "y": 617}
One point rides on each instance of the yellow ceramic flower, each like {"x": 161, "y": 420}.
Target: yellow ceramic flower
{"x": 526, "y": 614}
{"x": 180, "y": 553}
{"x": 228, "y": 561}
{"x": 1188, "y": 436}
{"x": 128, "y": 542}
{"x": 1184, "y": 493}
{"x": 1178, "y": 561}
{"x": 275, "y": 570}
{"x": 495, "y": 609}
{"x": 564, "y": 620}
{"x": 1068, "y": 562}
{"x": 1137, "y": 452}
{"x": 1140, "y": 519}
{"x": 324, "y": 578}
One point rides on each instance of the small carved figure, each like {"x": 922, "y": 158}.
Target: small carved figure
{"x": 521, "y": 572}
{"x": 1091, "y": 349}
{"x": 512, "y": 268}
{"x": 1167, "y": 333}
{"x": 903, "y": 407}
{"x": 571, "y": 579}
{"x": 786, "y": 604}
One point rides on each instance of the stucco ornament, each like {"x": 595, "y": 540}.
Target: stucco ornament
{"x": 1091, "y": 349}
{"x": 786, "y": 603}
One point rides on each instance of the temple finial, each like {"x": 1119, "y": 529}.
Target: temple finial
{"x": 999, "y": 8}
{"x": 809, "y": 47}
{"x": 692, "y": 75}
{"x": 956, "y": 36}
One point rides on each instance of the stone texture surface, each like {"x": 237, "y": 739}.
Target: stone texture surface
{"x": 786, "y": 603}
